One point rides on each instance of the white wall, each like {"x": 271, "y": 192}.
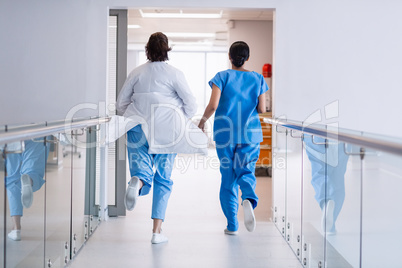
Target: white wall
{"x": 54, "y": 57}
{"x": 346, "y": 51}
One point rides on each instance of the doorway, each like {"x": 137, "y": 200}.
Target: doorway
{"x": 200, "y": 40}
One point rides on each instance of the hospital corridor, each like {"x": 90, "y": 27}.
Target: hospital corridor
{"x": 214, "y": 133}
{"x": 194, "y": 225}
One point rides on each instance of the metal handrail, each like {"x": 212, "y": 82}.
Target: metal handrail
{"x": 366, "y": 142}
{"x": 35, "y": 131}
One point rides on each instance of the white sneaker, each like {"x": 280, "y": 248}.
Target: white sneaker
{"x": 249, "y": 218}
{"x": 130, "y": 199}
{"x": 158, "y": 238}
{"x": 327, "y": 218}
{"x": 15, "y": 235}
{"x": 26, "y": 191}
{"x": 226, "y": 231}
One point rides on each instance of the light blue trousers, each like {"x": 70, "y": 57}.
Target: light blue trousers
{"x": 141, "y": 166}
{"x": 328, "y": 167}
{"x": 237, "y": 167}
{"x": 31, "y": 162}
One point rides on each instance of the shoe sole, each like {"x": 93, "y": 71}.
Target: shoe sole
{"x": 165, "y": 239}
{"x": 26, "y": 191}
{"x": 226, "y": 231}
{"x": 130, "y": 198}
{"x": 249, "y": 218}
{"x": 159, "y": 242}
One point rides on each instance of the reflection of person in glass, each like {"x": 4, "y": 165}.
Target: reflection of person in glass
{"x": 25, "y": 172}
{"x": 328, "y": 167}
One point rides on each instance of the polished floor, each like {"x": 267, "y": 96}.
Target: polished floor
{"x": 194, "y": 225}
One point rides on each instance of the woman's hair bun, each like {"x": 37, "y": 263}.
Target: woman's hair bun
{"x": 239, "y": 52}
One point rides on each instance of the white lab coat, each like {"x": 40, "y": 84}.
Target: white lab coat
{"x": 157, "y": 96}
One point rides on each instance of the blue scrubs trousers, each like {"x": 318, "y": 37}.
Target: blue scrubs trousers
{"x": 237, "y": 167}
{"x": 328, "y": 167}
{"x": 31, "y": 162}
{"x": 141, "y": 166}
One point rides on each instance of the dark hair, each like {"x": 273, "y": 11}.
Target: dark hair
{"x": 157, "y": 47}
{"x": 239, "y": 52}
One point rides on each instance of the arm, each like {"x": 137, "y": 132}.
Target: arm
{"x": 124, "y": 98}
{"x": 212, "y": 106}
{"x": 184, "y": 92}
{"x": 261, "y": 103}
{"x": 261, "y": 107}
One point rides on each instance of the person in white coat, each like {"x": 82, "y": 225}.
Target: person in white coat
{"x": 158, "y": 98}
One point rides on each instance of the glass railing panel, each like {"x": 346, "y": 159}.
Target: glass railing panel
{"x": 45, "y": 164}
{"x": 314, "y": 183}
{"x": 350, "y": 196}
{"x": 279, "y": 177}
{"x": 382, "y": 210}
{"x": 294, "y": 190}
{"x": 58, "y": 202}
{"x": 80, "y": 203}
{"x": 26, "y": 163}
{"x": 3, "y": 195}
{"x": 331, "y": 203}
{"x": 341, "y": 215}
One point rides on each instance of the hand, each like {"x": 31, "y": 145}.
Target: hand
{"x": 201, "y": 125}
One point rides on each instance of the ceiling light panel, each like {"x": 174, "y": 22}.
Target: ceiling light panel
{"x": 180, "y": 15}
{"x": 133, "y": 26}
{"x": 190, "y": 35}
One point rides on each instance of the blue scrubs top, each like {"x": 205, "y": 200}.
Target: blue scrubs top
{"x": 236, "y": 118}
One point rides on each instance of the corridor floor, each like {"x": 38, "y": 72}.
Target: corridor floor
{"x": 194, "y": 225}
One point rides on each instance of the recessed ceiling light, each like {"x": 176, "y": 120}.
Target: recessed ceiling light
{"x": 181, "y": 15}
{"x": 190, "y": 35}
{"x": 205, "y": 43}
{"x": 133, "y": 26}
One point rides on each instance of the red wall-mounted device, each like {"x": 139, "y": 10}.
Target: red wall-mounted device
{"x": 267, "y": 70}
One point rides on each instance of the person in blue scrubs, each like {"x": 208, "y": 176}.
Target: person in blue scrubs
{"x": 238, "y": 95}
{"x": 25, "y": 172}
{"x": 328, "y": 168}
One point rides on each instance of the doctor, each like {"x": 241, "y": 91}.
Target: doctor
{"x": 157, "y": 97}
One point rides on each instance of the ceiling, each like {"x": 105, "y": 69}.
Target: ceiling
{"x": 216, "y": 29}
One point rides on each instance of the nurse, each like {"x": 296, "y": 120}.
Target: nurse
{"x": 238, "y": 95}
{"x": 157, "y": 96}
